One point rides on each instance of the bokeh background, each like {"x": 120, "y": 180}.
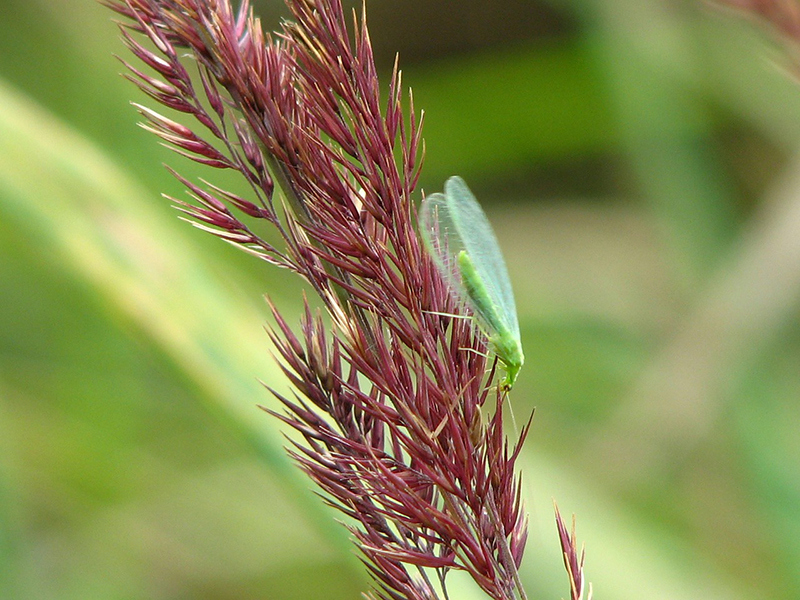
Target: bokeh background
{"x": 639, "y": 160}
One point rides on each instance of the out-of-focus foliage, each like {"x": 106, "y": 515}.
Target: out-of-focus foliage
{"x": 637, "y": 159}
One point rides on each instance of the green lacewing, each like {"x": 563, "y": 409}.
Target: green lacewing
{"x": 460, "y": 239}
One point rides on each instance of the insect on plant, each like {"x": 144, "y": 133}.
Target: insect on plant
{"x": 464, "y": 247}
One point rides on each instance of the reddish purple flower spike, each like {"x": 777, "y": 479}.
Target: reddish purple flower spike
{"x": 573, "y": 560}
{"x": 390, "y": 402}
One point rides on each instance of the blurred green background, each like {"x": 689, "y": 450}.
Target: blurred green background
{"x": 639, "y": 162}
